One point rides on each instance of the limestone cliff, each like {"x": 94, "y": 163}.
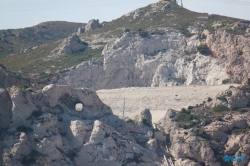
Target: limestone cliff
{"x": 156, "y": 60}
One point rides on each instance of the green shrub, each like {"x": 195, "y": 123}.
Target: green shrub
{"x": 62, "y": 133}
{"x": 239, "y": 52}
{"x": 30, "y": 159}
{"x": 209, "y": 99}
{"x": 219, "y": 118}
{"x": 220, "y": 108}
{"x": 183, "y": 117}
{"x": 204, "y": 49}
{"x": 208, "y": 121}
{"x": 36, "y": 114}
{"x": 23, "y": 86}
{"x": 127, "y": 30}
{"x": 157, "y": 32}
{"x": 226, "y": 81}
{"x": 190, "y": 107}
{"x": 248, "y": 81}
{"x": 143, "y": 34}
{"x": 129, "y": 120}
{"x": 171, "y": 116}
{"x": 137, "y": 157}
{"x": 203, "y": 36}
{"x": 210, "y": 29}
{"x": 60, "y": 119}
{"x": 71, "y": 155}
{"x": 186, "y": 133}
{"x": 242, "y": 111}
{"x": 146, "y": 122}
{"x": 185, "y": 32}
{"x": 43, "y": 74}
{"x": 236, "y": 31}
{"x": 24, "y": 129}
{"x": 201, "y": 133}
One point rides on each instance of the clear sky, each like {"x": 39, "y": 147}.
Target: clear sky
{"x": 25, "y": 13}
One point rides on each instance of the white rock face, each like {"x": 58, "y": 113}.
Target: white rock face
{"x": 79, "y": 131}
{"x": 158, "y": 60}
{"x": 20, "y": 112}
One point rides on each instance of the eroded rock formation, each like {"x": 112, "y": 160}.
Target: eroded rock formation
{"x": 43, "y": 128}
{"x": 157, "y": 60}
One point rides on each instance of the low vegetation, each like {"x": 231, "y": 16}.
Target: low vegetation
{"x": 25, "y": 65}
{"x": 146, "y": 122}
{"x": 24, "y": 129}
{"x": 226, "y": 81}
{"x": 236, "y": 31}
{"x": 23, "y": 86}
{"x": 204, "y": 49}
{"x": 239, "y": 52}
{"x": 220, "y": 108}
{"x": 209, "y": 99}
{"x": 185, "y": 119}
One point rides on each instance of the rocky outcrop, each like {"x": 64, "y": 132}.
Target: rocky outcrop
{"x": 225, "y": 133}
{"x": 233, "y": 98}
{"x": 92, "y": 24}
{"x": 70, "y": 45}
{"x": 160, "y": 6}
{"x": 43, "y": 128}
{"x": 233, "y": 51}
{"x": 80, "y": 30}
{"x": 158, "y": 60}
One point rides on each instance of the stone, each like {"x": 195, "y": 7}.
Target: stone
{"x": 233, "y": 98}
{"x": 71, "y": 45}
{"x": 152, "y": 144}
{"x": 92, "y": 24}
{"x": 80, "y": 30}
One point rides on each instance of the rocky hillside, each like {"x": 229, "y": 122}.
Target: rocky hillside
{"x": 205, "y": 133}
{"x": 43, "y": 128}
{"x": 162, "y": 51}
{"x": 156, "y": 60}
{"x": 19, "y": 40}
{"x": 156, "y": 29}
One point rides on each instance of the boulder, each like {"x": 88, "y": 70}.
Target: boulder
{"x": 80, "y": 30}
{"x": 152, "y": 144}
{"x": 92, "y": 24}
{"x": 70, "y": 45}
{"x": 233, "y": 98}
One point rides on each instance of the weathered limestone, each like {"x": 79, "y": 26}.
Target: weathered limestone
{"x": 154, "y": 61}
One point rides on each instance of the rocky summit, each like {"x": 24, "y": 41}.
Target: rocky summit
{"x": 51, "y": 75}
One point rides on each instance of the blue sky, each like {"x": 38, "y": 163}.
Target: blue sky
{"x": 25, "y": 13}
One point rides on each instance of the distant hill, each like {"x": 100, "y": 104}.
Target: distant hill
{"x": 14, "y": 40}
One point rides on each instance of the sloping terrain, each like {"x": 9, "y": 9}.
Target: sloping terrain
{"x": 17, "y": 40}
{"x": 153, "y": 20}
{"x": 162, "y": 53}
